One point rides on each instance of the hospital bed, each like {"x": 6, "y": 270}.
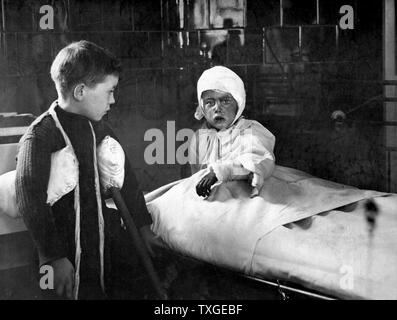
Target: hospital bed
{"x": 282, "y": 269}
{"x": 348, "y": 252}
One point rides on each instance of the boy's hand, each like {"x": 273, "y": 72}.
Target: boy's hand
{"x": 63, "y": 277}
{"x": 203, "y": 188}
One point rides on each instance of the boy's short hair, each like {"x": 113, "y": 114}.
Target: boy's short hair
{"x": 82, "y": 62}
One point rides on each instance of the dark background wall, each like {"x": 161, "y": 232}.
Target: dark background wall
{"x": 296, "y": 76}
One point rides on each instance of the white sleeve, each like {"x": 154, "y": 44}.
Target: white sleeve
{"x": 256, "y": 156}
{"x": 257, "y": 150}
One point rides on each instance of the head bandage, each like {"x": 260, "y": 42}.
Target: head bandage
{"x": 223, "y": 79}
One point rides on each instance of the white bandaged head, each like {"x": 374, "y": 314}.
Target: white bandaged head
{"x": 111, "y": 159}
{"x": 223, "y": 79}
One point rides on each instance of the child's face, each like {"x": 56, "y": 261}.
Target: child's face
{"x": 220, "y": 108}
{"x": 98, "y": 99}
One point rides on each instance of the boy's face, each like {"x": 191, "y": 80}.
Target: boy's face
{"x": 220, "y": 108}
{"x": 98, "y": 99}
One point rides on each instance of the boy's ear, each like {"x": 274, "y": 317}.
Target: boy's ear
{"x": 78, "y": 92}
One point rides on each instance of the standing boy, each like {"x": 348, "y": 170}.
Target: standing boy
{"x": 74, "y": 231}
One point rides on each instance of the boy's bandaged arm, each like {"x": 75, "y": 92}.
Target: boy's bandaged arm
{"x": 130, "y": 191}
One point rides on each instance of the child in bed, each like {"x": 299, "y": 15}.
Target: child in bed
{"x": 233, "y": 148}
{"x": 227, "y": 226}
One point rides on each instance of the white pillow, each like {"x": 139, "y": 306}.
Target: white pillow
{"x": 8, "y": 203}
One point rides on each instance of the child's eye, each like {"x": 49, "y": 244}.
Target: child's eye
{"x": 209, "y": 103}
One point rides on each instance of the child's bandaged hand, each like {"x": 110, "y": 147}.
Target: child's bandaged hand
{"x": 203, "y": 188}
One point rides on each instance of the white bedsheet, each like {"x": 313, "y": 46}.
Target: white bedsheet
{"x": 230, "y": 229}
{"x": 335, "y": 253}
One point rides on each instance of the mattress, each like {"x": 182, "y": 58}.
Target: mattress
{"x": 348, "y": 250}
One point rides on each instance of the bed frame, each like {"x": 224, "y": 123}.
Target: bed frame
{"x": 280, "y": 289}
